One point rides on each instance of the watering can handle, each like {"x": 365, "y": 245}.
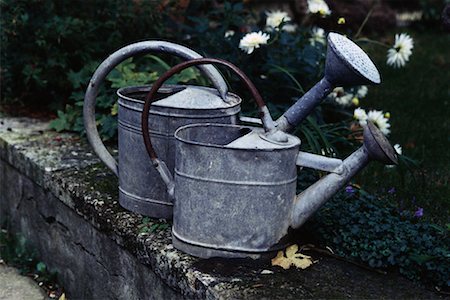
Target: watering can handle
{"x": 115, "y": 59}
{"x": 160, "y": 166}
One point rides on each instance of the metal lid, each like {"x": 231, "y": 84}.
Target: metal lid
{"x": 196, "y": 97}
{"x": 354, "y": 56}
{"x": 255, "y": 140}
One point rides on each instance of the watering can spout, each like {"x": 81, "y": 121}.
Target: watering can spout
{"x": 376, "y": 147}
{"x": 346, "y": 65}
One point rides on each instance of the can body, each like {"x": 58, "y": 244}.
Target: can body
{"x": 141, "y": 189}
{"x": 230, "y": 202}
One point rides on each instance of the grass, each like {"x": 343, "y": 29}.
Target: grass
{"x": 418, "y": 98}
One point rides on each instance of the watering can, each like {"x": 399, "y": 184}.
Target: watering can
{"x": 140, "y": 188}
{"x": 234, "y": 187}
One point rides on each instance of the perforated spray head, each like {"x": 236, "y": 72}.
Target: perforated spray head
{"x": 348, "y": 64}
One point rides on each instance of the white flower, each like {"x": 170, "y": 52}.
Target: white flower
{"x": 378, "y": 118}
{"x": 360, "y": 115}
{"x": 337, "y": 91}
{"x": 318, "y": 6}
{"x": 289, "y": 28}
{"x": 274, "y": 18}
{"x": 229, "y": 33}
{"x": 253, "y": 40}
{"x": 398, "y": 149}
{"x": 399, "y": 54}
{"x": 341, "y": 96}
{"x": 345, "y": 100}
{"x": 362, "y": 91}
{"x": 317, "y": 35}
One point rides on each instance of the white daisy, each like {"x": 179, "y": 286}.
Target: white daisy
{"x": 378, "y": 118}
{"x": 274, "y": 18}
{"x": 362, "y": 91}
{"x": 341, "y": 97}
{"x": 317, "y": 35}
{"x": 398, "y": 149}
{"x": 229, "y": 33}
{"x": 360, "y": 115}
{"x": 318, "y": 6}
{"x": 253, "y": 40}
{"x": 345, "y": 100}
{"x": 399, "y": 54}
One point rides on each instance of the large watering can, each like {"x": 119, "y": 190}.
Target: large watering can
{"x": 234, "y": 188}
{"x": 140, "y": 188}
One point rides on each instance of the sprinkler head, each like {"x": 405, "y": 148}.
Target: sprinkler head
{"x": 348, "y": 64}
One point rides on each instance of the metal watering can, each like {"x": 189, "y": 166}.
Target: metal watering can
{"x": 234, "y": 186}
{"x": 140, "y": 188}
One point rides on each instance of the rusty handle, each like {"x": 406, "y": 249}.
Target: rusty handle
{"x": 264, "y": 112}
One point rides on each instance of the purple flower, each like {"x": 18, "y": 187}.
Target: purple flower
{"x": 419, "y": 212}
{"x": 349, "y": 189}
{"x": 391, "y": 190}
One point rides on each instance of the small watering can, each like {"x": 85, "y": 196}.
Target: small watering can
{"x": 234, "y": 188}
{"x": 140, "y": 188}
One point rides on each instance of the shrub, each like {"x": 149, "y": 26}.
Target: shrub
{"x": 44, "y": 42}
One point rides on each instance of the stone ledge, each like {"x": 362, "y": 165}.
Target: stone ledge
{"x": 56, "y": 192}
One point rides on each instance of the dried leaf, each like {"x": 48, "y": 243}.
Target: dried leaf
{"x": 281, "y": 261}
{"x": 292, "y": 258}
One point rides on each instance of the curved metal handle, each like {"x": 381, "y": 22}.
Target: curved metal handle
{"x": 110, "y": 63}
{"x": 160, "y": 166}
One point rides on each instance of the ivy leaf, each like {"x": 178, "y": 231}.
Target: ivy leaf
{"x": 292, "y": 258}
{"x": 40, "y": 267}
{"x": 114, "y": 109}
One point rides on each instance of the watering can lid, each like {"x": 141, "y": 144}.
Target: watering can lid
{"x": 354, "y": 56}
{"x": 196, "y": 97}
{"x": 255, "y": 140}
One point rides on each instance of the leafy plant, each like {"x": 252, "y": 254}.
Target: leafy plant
{"x": 45, "y": 44}
{"x": 357, "y": 225}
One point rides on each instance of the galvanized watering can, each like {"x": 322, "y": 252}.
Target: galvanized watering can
{"x": 140, "y": 188}
{"x": 234, "y": 188}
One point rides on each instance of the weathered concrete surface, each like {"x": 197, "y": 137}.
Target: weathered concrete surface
{"x": 66, "y": 205}
{"x": 14, "y": 286}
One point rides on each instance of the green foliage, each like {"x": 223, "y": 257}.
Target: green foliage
{"x": 357, "y": 225}
{"x": 131, "y": 72}
{"x": 45, "y": 44}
